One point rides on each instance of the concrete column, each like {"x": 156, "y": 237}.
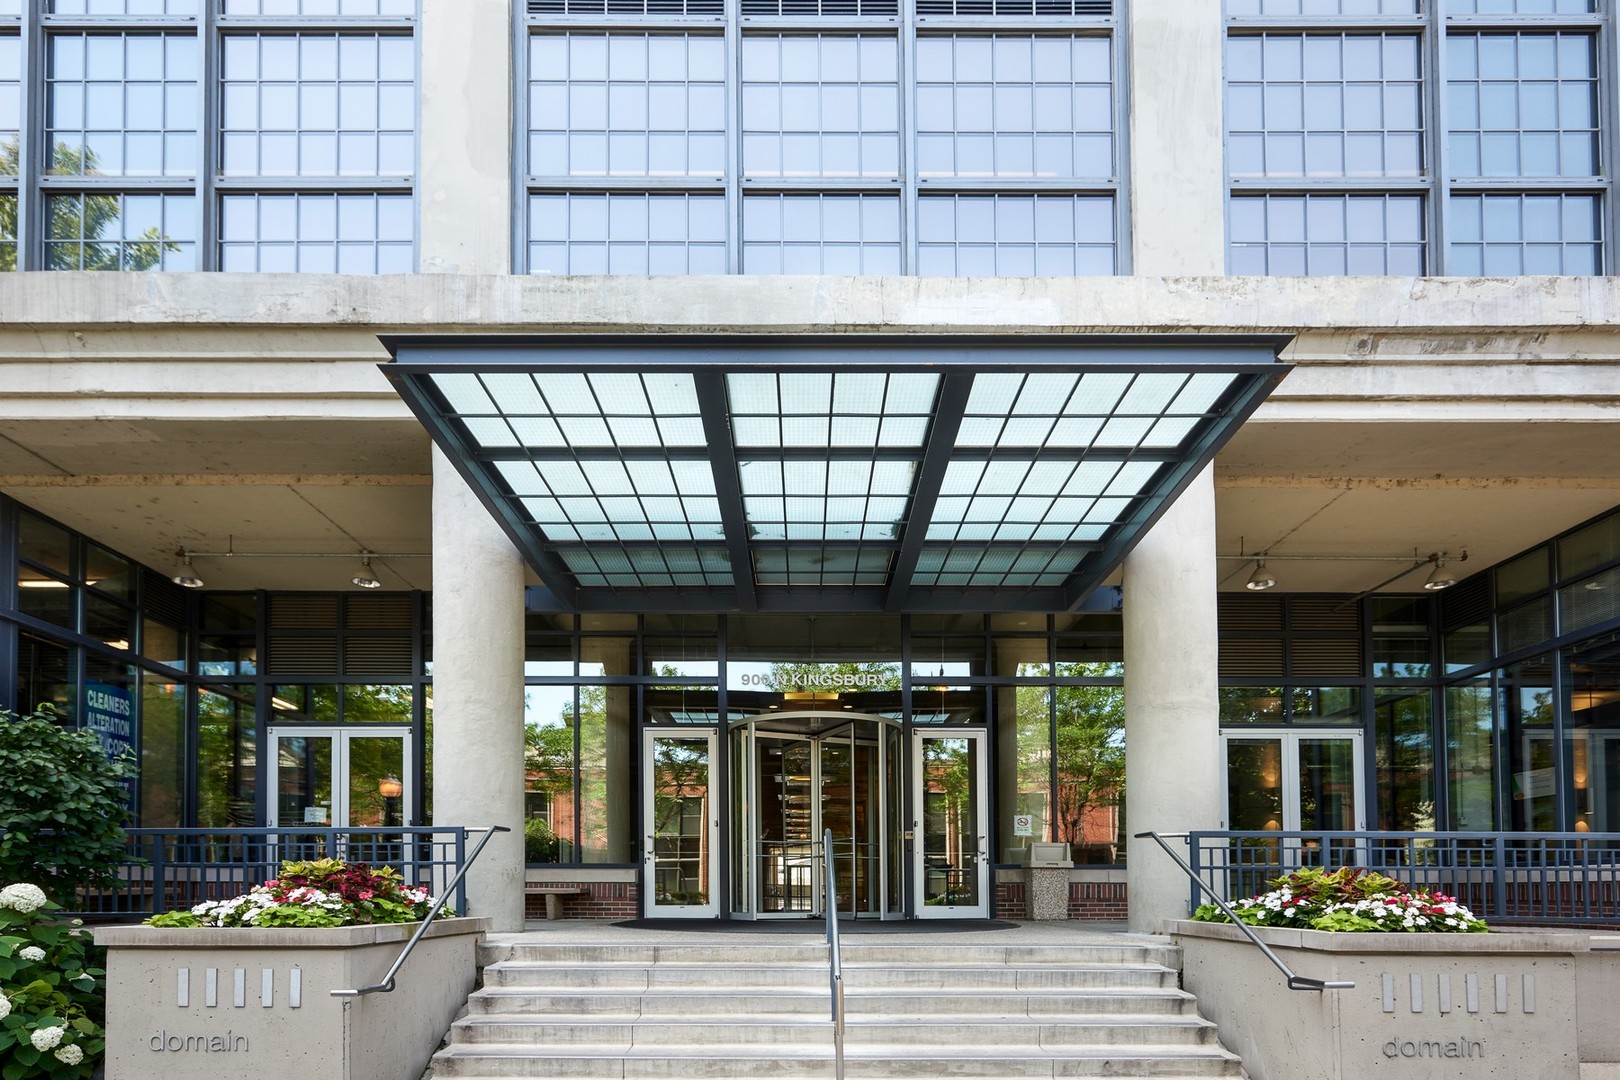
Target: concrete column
{"x": 1178, "y": 165}
{"x": 1172, "y": 726}
{"x": 478, "y": 689}
{"x": 464, "y": 189}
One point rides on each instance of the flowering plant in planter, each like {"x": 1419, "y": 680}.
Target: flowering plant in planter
{"x": 1349, "y": 900}
{"x": 52, "y": 995}
{"x": 322, "y": 892}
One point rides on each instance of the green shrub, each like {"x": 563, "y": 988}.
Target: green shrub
{"x": 62, "y": 806}
{"x": 539, "y": 842}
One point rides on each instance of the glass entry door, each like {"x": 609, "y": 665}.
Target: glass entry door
{"x": 683, "y": 824}
{"x": 950, "y": 825}
{"x": 1295, "y": 781}
{"x": 341, "y": 777}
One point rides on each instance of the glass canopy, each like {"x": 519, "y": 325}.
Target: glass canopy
{"x": 851, "y": 473}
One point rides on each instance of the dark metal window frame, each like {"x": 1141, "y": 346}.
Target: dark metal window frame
{"x": 33, "y": 185}
{"x": 1436, "y": 183}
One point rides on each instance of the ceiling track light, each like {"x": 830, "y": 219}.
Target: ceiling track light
{"x": 1440, "y": 576}
{"x": 1262, "y": 579}
{"x": 365, "y": 578}
{"x": 185, "y": 575}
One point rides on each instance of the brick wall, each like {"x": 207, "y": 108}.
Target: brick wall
{"x": 1087, "y": 900}
{"x": 602, "y": 900}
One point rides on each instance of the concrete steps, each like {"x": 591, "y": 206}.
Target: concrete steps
{"x": 743, "y": 1011}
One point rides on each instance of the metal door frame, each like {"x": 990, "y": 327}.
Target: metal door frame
{"x": 981, "y": 801}
{"x": 338, "y": 812}
{"x": 650, "y": 905}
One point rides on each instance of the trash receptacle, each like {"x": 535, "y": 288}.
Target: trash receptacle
{"x": 1046, "y": 896}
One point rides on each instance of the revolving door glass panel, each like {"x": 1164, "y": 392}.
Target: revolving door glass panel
{"x": 796, "y": 779}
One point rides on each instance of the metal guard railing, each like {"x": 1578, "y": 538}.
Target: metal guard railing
{"x": 174, "y": 869}
{"x": 1542, "y": 879}
{"x": 1295, "y": 982}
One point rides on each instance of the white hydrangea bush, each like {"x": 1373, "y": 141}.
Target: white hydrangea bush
{"x": 52, "y": 990}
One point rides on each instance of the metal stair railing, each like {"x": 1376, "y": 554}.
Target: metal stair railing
{"x": 1295, "y": 982}
{"x": 835, "y": 959}
{"x": 387, "y": 984}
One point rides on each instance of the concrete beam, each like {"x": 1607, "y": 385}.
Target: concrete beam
{"x": 448, "y": 303}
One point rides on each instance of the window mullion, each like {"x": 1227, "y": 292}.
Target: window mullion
{"x": 30, "y": 138}
{"x": 733, "y": 177}
{"x": 906, "y": 73}
{"x": 1439, "y": 153}
{"x": 209, "y": 45}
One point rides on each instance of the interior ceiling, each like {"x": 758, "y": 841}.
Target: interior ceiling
{"x": 1385, "y": 489}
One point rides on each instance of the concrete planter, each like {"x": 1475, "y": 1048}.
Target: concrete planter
{"x": 206, "y": 1003}
{"x": 1518, "y": 1005}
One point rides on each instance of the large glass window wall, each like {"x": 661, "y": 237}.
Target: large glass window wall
{"x": 254, "y": 135}
{"x": 852, "y": 141}
{"x": 1416, "y": 137}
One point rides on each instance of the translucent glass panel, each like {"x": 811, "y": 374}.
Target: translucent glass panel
{"x": 1015, "y": 235}
{"x": 8, "y": 233}
{"x": 317, "y": 232}
{"x": 633, "y": 500}
{"x": 1003, "y": 566}
{"x": 318, "y": 105}
{"x": 824, "y": 409}
{"x": 1523, "y": 104}
{"x": 626, "y": 104}
{"x": 566, "y": 410}
{"x": 1493, "y": 235}
{"x": 1520, "y": 7}
{"x": 820, "y": 105}
{"x": 627, "y": 233}
{"x": 12, "y": 8}
{"x": 1327, "y": 234}
{"x": 122, "y": 7}
{"x": 307, "y": 8}
{"x": 1015, "y": 105}
{"x": 1324, "y": 105}
{"x": 822, "y": 566}
{"x": 1118, "y": 410}
{"x": 1323, "y": 7}
{"x": 121, "y": 104}
{"x": 1021, "y": 500}
{"x": 115, "y": 231}
{"x": 10, "y": 102}
{"x": 648, "y": 567}
{"x": 826, "y": 500}
{"x": 821, "y": 234}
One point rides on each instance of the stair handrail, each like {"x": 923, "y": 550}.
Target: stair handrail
{"x": 1295, "y": 982}
{"x": 387, "y": 984}
{"x": 835, "y": 958}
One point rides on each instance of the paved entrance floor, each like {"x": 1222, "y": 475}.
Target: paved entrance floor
{"x": 601, "y": 932}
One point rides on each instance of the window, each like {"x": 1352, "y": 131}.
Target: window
{"x": 305, "y": 162}
{"x": 844, "y": 146}
{"x": 1339, "y": 163}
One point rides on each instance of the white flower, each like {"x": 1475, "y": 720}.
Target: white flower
{"x": 45, "y": 1038}
{"x": 21, "y": 897}
{"x": 32, "y": 953}
{"x": 5, "y": 1006}
{"x": 71, "y": 1054}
